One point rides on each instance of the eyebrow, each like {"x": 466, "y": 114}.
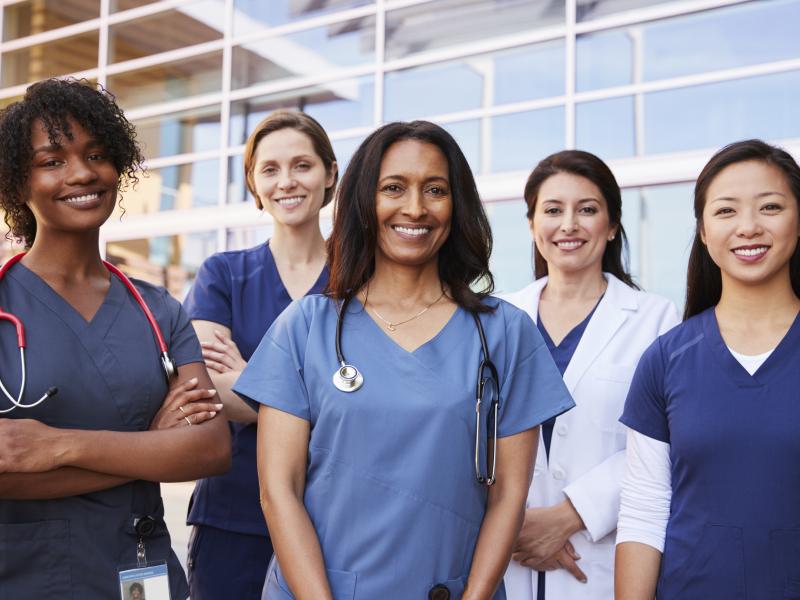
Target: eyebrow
{"x": 57, "y": 147}
{"x": 582, "y": 200}
{"x": 404, "y": 178}
{"x": 758, "y": 196}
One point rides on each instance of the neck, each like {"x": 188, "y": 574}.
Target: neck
{"x": 587, "y": 284}
{"x": 404, "y": 285}
{"x": 298, "y": 246}
{"x": 67, "y": 257}
{"x": 761, "y": 303}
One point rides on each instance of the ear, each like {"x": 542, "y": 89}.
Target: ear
{"x": 530, "y": 225}
{"x": 331, "y": 175}
{"x": 613, "y": 231}
{"x": 702, "y": 231}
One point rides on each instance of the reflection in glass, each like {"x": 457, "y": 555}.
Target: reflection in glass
{"x": 309, "y": 53}
{"x": 512, "y": 250}
{"x": 716, "y": 114}
{"x": 186, "y": 25}
{"x": 521, "y": 140}
{"x": 256, "y": 15}
{"x": 528, "y": 73}
{"x": 193, "y": 130}
{"x": 237, "y": 187}
{"x": 336, "y": 105}
{"x": 61, "y": 57}
{"x": 606, "y": 127}
{"x": 168, "y": 81}
{"x": 591, "y": 9}
{"x": 604, "y": 59}
{"x": 36, "y": 16}
{"x": 120, "y": 5}
{"x": 177, "y": 187}
{"x": 468, "y": 136}
{"x": 169, "y": 261}
{"x": 443, "y": 23}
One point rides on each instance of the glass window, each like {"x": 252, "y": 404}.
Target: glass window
{"x": 171, "y": 261}
{"x": 712, "y": 115}
{"x": 521, "y": 140}
{"x": 606, "y": 127}
{"x": 186, "y": 25}
{"x": 512, "y": 251}
{"x": 120, "y": 5}
{"x": 193, "y": 130}
{"x": 256, "y": 15}
{"x": 344, "y": 149}
{"x": 632, "y": 214}
{"x": 443, "y": 23}
{"x": 468, "y": 136}
{"x": 312, "y": 52}
{"x": 247, "y": 237}
{"x": 237, "y": 187}
{"x": 528, "y": 73}
{"x": 9, "y": 100}
{"x": 36, "y": 16}
{"x": 177, "y": 187}
{"x": 61, "y": 57}
{"x": 336, "y": 105}
{"x": 168, "y": 81}
{"x": 591, "y": 9}
{"x": 604, "y": 59}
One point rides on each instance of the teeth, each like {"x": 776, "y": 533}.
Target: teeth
{"x": 412, "y": 230}
{"x": 570, "y": 245}
{"x": 82, "y": 199}
{"x": 293, "y": 201}
{"x": 750, "y": 251}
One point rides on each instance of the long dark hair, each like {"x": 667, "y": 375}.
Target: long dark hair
{"x": 584, "y": 164}
{"x": 464, "y": 256}
{"x": 703, "y": 277}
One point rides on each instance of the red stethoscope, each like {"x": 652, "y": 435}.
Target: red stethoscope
{"x": 167, "y": 363}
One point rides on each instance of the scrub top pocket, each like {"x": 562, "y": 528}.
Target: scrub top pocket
{"x": 785, "y": 563}
{"x": 715, "y": 569}
{"x": 342, "y": 584}
{"x": 35, "y": 559}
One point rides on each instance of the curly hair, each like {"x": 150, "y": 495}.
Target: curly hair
{"x": 54, "y": 102}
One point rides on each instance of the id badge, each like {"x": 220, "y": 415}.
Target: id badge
{"x": 145, "y": 583}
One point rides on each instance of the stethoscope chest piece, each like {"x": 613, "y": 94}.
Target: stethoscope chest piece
{"x": 347, "y": 378}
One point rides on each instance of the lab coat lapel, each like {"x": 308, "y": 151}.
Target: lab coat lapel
{"x": 609, "y": 316}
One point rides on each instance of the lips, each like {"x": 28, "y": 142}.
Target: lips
{"x": 84, "y": 199}
{"x": 750, "y": 253}
{"x": 568, "y": 245}
{"x": 412, "y": 231}
{"x": 290, "y": 201}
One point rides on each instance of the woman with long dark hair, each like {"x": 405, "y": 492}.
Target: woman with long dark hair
{"x": 711, "y": 500}
{"x": 596, "y": 324}
{"x": 376, "y": 480}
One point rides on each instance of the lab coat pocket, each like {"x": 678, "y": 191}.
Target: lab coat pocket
{"x": 607, "y": 396}
{"x": 784, "y": 547}
{"x": 715, "y": 568}
{"x": 34, "y": 559}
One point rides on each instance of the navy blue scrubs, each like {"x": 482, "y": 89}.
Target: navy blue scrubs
{"x": 734, "y": 525}
{"x": 109, "y": 376}
{"x": 562, "y": 355}
{"x": 230, "y": 547}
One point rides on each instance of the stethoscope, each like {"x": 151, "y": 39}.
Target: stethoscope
{"x": 167, "y": 363}
{"x": 348, "y": 378}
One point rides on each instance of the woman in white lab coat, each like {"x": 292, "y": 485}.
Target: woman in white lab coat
{"x": 596, "y": 324}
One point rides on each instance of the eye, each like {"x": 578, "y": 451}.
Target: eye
{"x": 724, "y": 211}
{"x": 589, "y": 210}
{"x": 552, "y": 210}
{"x": 50, "y": 162}
{"x": 269, "y": 170}
{"x": 772, "y": 207}
{"x": 437, "y": 190}
{"x": 392, "y": 188}
{"x": 97, "y": 156}
{"x": 303, "y": 166}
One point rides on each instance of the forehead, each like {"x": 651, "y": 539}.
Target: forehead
{"x": 568, "y": 186}
{"x": 414, "y": 158}
{"x": 41, "y": 137}
{"x": 284, "y": 143}
{"x": 747, "y": 178}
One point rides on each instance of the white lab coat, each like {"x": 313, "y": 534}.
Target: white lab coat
{"x": 587, "y": 452}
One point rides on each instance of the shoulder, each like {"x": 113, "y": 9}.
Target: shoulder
{"x": 301, "y": 314}
{"x": 504, "y": 312}
{"x": 525, "y": 297}
{"x": 237, "y": 260}
{"x": 157, "y": 298}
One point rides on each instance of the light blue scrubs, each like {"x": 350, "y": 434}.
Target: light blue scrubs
{"x": 109, "y": 376}
{"x": 391, "y": 486}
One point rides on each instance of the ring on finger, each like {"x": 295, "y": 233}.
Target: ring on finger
{"x": 188, "y": 421}
{"x": 180, "y": 408}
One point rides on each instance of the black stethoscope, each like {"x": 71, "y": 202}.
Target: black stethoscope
{"x": 167, "y": 363}
{"x": 348, "y": 378}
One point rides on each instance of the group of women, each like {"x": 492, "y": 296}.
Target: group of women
{"x": 362, "y": 414}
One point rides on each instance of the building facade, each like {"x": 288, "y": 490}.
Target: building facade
{"x": 652, "y": 86}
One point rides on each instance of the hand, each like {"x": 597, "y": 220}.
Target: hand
{"x": 545, "y": 531}
{"x": 222, "y": 354}
{"x": 29, "y": 446}
{"x": 185, "y": 405}
{"x": 565, "y": 558}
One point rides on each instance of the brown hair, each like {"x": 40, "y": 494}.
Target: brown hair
{"x": 589, "y": 166}
{"x": 703, "y": 277}
{"x": 289, "y": 119}
{"x": 464, "y": 256}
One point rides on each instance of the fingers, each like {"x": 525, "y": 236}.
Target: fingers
{"x": 567, "y": 562}
{"x": 216, "y": 366}
{"x": 570, "y": 549}
{"x": 213, "y": 351}
{"x": 198, "y": 417}
{"x": 195, "y": 408}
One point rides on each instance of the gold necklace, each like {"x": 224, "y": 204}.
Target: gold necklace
{"x": 393, "y": 326}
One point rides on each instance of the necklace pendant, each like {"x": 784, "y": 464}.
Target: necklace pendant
{"x": 391, "y": 327}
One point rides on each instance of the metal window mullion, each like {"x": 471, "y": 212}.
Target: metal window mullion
{"x": 52, "y": 35}
{"x": 569, "y": 74}
{"x": 284, "y": 85}
{"x": 225, "y": 119}
{"x": 380, "y": 56}
{"x": 166, "y": 57}
{"x": 103, "y": 44}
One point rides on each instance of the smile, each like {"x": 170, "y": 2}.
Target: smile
{"x": 411, "y": 231}
{"x": 570, "y": 244}
{"x": 82, "y": 199}
{"x": 290, "y": 202}
{"x": 757, "y": 251}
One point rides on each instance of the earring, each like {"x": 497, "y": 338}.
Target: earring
{"x": 611, "y": 239}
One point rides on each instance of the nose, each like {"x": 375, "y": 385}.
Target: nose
{"x": 414, "y": 207}
{"x": 748, "y": 224}
{"x": 568, "y": 222}
{"x": 81, "y": 172}
{"x": 286, "y": 181}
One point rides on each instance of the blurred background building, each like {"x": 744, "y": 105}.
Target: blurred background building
{"x": 653, "y": 86}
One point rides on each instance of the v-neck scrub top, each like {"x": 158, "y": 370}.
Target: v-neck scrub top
{"x": 390, "y": 486}
{"x": 734, "y": 526}
{"x": 243, "y": 291}
{"x": 109, "y": 377}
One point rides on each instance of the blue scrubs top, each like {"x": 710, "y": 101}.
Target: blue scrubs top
{"x": 109, "y": 376}
{"x": 243, "y": 291}
{"x": 391, "y": 487}
{"x": 734, "y": 526}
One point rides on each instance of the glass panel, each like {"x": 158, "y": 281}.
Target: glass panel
{"x": 170, "y": 261}
{"x": 632, "y": 207}
{"x": 177, "y": 187}
{"x": 4, "y": 102}
{"x": 512, "y": 259}
{"x": 35, "y": 16}
{"x": 237, "y": 189}
{"x": 604, "y": 59}
{"x": 184, "y": 26}
{"x": 311, "y": 52}
{"x": 120, "y": 5}
{"x": 177, "y": 133}
{"x": 256, "y": 15}
{"x": 443, "y": 23}
{"x": 709, "y": 116}
{"x": 521, "y": 140}
{"x": 344, "y": 149}
{"x": 247, "y": 237}
{"x": 337, "y": 105}
{"x": 68, "y": 55}
{"x": 591, "y": 9}
{"x": 529, "y": 73}
{"x": 468, "y": 136}
{"x": 606, "y": 127}
{"x": 168, "y": 81}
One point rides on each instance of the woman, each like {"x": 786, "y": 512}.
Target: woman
{"x": 596, "y": 324}
{"x": 290, "y": 169}
{"x": 79, "y": 506}
{"x": 368, "y": 481}
{"x": 711, "y": 499}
